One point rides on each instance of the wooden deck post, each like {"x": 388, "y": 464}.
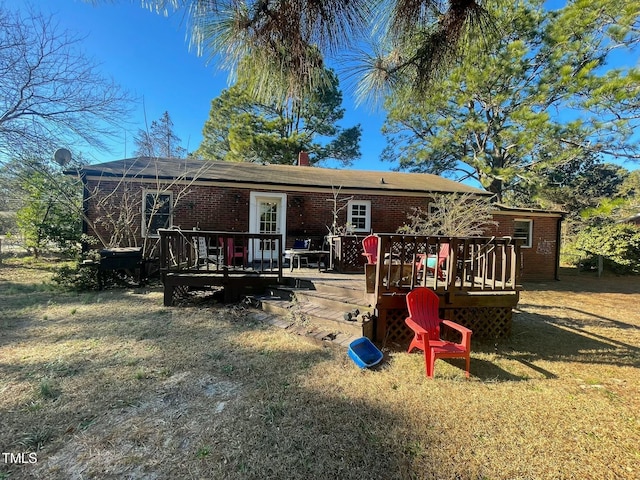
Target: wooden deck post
{"x": 168, "y": 293}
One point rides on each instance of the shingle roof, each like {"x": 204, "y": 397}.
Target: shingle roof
{"x": 516, "y": 210}
{"x": 282, "y": 175}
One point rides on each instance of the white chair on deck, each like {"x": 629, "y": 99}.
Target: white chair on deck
{"x": 206, "y": 254}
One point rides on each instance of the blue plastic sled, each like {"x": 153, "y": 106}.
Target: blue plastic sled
{"x": 364, "y": 353}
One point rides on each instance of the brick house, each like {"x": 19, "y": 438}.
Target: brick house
{"x": 296, "y": 201}
{"x": 540, "y": 231}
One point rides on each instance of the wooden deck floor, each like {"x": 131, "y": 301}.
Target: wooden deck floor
{"x": 346, "y": 280}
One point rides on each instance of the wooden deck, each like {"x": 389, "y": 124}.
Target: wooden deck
{"x": 241, "y": 263}
{"x": 478, "y": 284}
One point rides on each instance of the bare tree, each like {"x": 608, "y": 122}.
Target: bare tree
{"x": 159, "y": 140}
{"x": 339, "y": 204}
{"x": 118, "y": 204}
{"x": 51, "y": 94}
{"x": 452, "y": 215}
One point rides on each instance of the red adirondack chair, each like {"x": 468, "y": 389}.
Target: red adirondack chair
{"x": 370, "y": 247}
{"x": 234, "y": 251}
{"x": 425, "y": 322}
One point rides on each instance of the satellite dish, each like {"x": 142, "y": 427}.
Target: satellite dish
{"x": 62, "y": 156}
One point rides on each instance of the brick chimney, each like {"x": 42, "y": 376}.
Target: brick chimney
{"x": 303, "y": 159}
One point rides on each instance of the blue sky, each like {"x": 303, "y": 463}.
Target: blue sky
{"x": 148, "y": 54}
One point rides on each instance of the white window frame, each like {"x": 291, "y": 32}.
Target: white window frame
{"x": 145, "y": 193}
{"x": 367, "y": 218}
{"x": 529, "y": 238}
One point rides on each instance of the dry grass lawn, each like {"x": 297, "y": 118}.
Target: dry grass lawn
{"x": 112, "y": 385}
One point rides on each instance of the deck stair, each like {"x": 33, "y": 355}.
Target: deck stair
{"x": 324, "y": 310}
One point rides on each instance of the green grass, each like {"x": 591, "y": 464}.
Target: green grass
{"x": 48, "y": 389}
{"x": 203, "y": 452}
{"x": 127, "y": 386}
{"x": 35, "y": 439}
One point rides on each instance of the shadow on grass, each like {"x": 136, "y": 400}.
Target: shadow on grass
{"x": 283, "y": 424}
{"x": 583, "y": 282}
{"x": 535, "y": 337}
{"x": 593, "y": 318}
{"x": 279, "y": 429}
{"x": 25, "y": 303}
{"x": 487, "y": 371}
{"x": 538, "y": 337}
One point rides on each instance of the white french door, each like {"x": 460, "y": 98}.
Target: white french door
{"x": 267, "y": 214}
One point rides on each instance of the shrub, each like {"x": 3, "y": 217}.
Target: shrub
{"x": 618, "y": 244}
{"x": 80, "y": 277}
{"x": 46, "y": 218}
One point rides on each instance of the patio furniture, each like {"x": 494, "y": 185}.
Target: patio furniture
{"x": 300, "y": 247}
{"x": 234, "y": 251}
{"x": 433, "y": 263}
{"x": 424, "y": 320}
{"x": 370, "y": 247}
{"x": 206, "y": 253}
{"x": 322, "y": 257}
{"x": 302, "y": 251}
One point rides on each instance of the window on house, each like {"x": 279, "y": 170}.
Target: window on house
{"x": 157, "y": 212}
{"x": 523, "y": 229}
{"x": 359, "y": 215}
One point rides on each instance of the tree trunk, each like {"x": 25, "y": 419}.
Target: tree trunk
{"x": 495, "y": 187}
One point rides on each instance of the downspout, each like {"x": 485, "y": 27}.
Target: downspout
{"x": 558, "y": 239}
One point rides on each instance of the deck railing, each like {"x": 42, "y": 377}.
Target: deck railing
{"x": 227, "y": 253}
{"x": 346, "y": 253}
{"x": 471, "y": 264}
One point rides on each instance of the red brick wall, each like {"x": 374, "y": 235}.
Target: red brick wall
{"x": 538, "y": 262}
{"x": 108, "y": 202}
{"x": 226, "y": 208}
{"x": 208, "y": 208}
{"x": 309, "y": 215}
{"x": 389, "y": 213}
{"x": 213, "y": 208}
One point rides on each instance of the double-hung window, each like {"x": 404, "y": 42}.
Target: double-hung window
{"x": 523, "y": 229}
{"x": 156, "y": 212}
{"x": 359, "y": 215}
